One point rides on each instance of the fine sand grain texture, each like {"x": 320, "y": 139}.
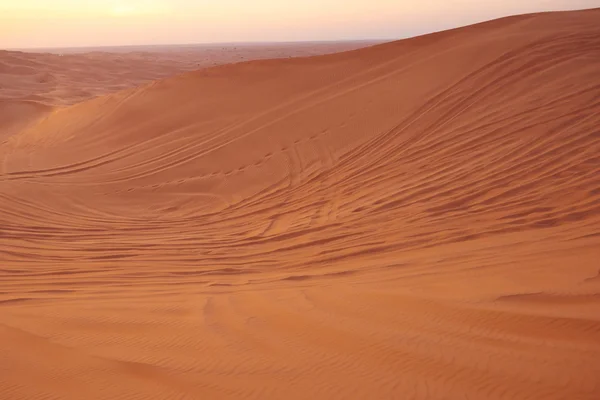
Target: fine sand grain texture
{"x": 414, "y": 220}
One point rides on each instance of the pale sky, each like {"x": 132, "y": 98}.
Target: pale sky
{"x": 66, "y": 23}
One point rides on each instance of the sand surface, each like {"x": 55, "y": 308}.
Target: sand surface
{"x": 71, "y": 75}
{"x": 414, "y": 220}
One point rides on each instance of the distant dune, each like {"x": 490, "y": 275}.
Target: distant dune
{"x": 69, "y": 76}
{"x": 17, "y": 115}
{"x": 414, "y": 220}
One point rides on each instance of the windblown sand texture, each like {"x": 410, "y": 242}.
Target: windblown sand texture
{"x": 414, "y": 220}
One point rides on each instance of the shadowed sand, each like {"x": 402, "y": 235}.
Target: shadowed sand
{"x": 414, "y": 220}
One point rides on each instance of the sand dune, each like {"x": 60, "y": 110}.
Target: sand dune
{"x": 414, "y": 220}
{"x": 68, "y": 76}
{"x": 17, "y": 115}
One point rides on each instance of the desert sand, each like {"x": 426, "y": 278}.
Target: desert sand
{"x": 414, "y": 220}
{"x": 72, "y": 75}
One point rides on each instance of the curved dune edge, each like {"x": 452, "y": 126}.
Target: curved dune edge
{"x": 418, "y": 219}
{"x": 16, "y": 116}
{"x": 76, "y": 75}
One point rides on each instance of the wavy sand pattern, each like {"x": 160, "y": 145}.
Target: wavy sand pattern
{"x": 414, "y": 220}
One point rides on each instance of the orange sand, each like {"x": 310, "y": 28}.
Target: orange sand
{"x": 414, "y": 220}
{"x": 69, "y": 76}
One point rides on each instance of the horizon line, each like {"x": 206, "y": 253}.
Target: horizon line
{"x": 211, "y": 44}
{"x": 348, "y": 40}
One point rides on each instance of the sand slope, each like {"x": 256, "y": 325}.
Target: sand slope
{"x": 415, "y": 220}
{"x": 61, "y": 77}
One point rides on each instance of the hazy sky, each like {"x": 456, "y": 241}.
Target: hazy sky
{"x": 63, "y": 23}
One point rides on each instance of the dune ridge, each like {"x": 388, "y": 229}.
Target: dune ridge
{"x": 415, "y": 220}
{"x": 63, "y": 77}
